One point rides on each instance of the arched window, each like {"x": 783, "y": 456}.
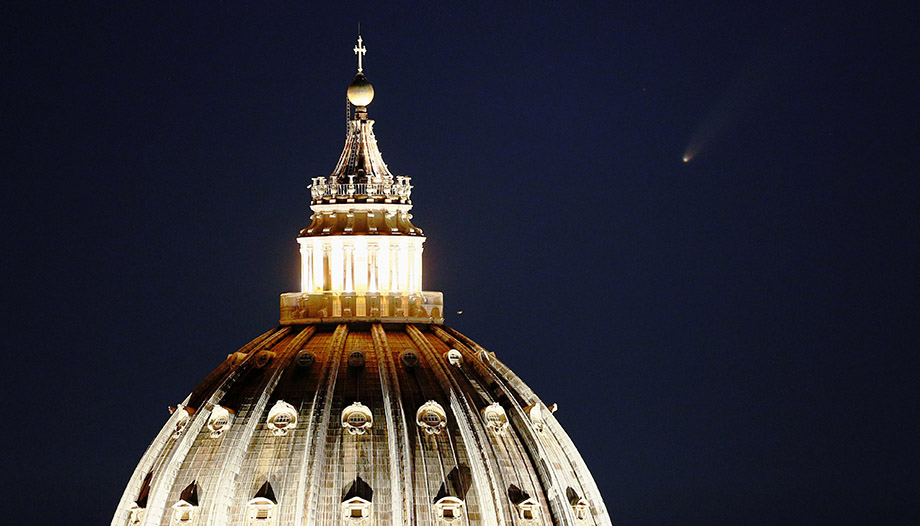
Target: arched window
{"x": 496, "y": 418}
{"x": 454, "y": 357}
{"x": 220, "y": 421}
{"x": 431, "y": 417}
{"x": 357, "y": 418}
{"x": 282, "y": 418}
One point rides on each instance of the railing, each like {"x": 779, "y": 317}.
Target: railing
{"x": 422, "y": 307}
{"x": 401, "y": 189}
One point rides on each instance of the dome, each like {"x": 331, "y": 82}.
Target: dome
{"x": 414, "y": 420}
{"x": 361, "y": 91}
{"x": 361, "y": 407}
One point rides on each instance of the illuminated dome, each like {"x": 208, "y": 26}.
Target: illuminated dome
{"x": 360, "y": 92}
{"x": 362, "y": 407}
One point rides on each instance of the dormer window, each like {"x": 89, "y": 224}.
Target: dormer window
{"x": 185, "y": 511}
{"x": 356, "y": 511}
{"x": 580, "y": 508}
{"x": 529, "y": 510}
{"x": 409, "y": 358}
{"x": 356, "y": 359}
{"x": 220, "y": 421}
{"x": 261, "y": 512}
{"x": 138, "y": 508}
{"x": 431, "y": 417}
{"x": 496, "y": 418}
{"x": 536, "y": 415}
{"x": 282, "y": 418}
{"x": 454, "y": 357}
{"x": 448, "y": 510}
{"x": 135, "y": 514}
{"x": 357, "y": 418}
{"x": 181, "y": 421}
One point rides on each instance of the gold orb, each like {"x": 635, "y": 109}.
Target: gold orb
{"x": 361, "y": 92}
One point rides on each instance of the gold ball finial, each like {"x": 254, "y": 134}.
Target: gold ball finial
{"x": 361, "y": 92}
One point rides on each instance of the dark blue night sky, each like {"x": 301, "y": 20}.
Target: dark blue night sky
{"x": 731, "y": 340}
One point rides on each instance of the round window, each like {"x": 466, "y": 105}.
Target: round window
{"x": 409, "y": 358}
{"x": 356, "y": 359}
{"x": 305, "y": 359}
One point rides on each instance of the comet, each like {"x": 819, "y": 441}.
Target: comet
{"x": 747, "y": 89}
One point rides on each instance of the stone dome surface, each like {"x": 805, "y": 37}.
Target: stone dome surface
{"x": 450, "y": 427}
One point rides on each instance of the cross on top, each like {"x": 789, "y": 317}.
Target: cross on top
{"x": 360, "y": 50}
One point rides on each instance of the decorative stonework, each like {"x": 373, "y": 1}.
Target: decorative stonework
{"x": 448, "y": 510}
{"x": 136, "y": 514}
{"x": 282, "y": 418}
{"x": 496, "y": 418}
{"x": 357, "y": 418}
{"x": 536, "y": 416}
{"x": 261, "y": 512}
{"x": 334, "y": 189}
{"x": 182, "y": 419}
{"x": 424, "y": 307}
{"x": 431, "y": 417}
{"x": 529, "y": 511}
{"x": 454, "y": 357}
{"x": 220, "y": 421}
{"x": 581, "y": 509}
{"x": 356, "y": 511}
{"x": 184, "y": 513}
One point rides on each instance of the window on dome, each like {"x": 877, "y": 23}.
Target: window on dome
{"x": 261, "y": 511}
{"x": 431, "y": 417}
{"x": 529, "y": 510}
{"x": 409, "y": 358}
{"x": 454, "y": 357}
{"x": 581, "y": 509}
{"x": 448, "y": 510}
{"x": 184, "y": 513}
{"x": 356, "y": 511}
{"x": 219, "y": 421}
{"x": 357, "y": 418}
{"x": 282, "y": 418}
{"x": 136, "y": 514}
{"x": 305, "y": 359}
{"x": 182, "y": 420}
{"x": 356, "y": 359}
{"x": 496, "y": 418}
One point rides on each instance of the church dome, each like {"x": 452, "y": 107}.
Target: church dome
{"x": 361, "y": 408}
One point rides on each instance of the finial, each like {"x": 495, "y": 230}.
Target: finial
{"x": 361, "y": 92}
{"x": 360, "y": 50}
